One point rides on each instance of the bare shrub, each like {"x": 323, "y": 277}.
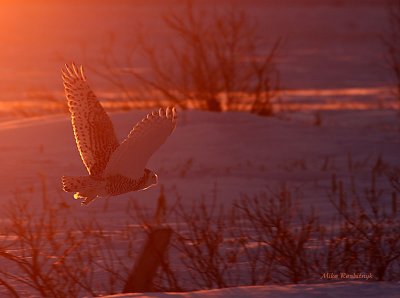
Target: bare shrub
{"x": 260, "y": 239}
{"x": 391, "y": 41}
{"x": 202, "y": 245}
{"x": 53, "y": 253}
{"x": 393, "y": 175}
{"x": 211, "y": 248}
{"x": 213, "y": 64}
{"x": 265, "y": 238}
{"x": 287, "y": 234}
{"x": 368, "y": 237}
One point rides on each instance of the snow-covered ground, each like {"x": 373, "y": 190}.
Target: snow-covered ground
{"x": 327, "y": 290}
{"x": 236, "y": 153}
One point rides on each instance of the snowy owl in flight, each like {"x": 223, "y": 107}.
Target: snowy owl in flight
{"x": 113, "y": 168}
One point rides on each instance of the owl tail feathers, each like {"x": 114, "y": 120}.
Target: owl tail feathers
{"x": 85, "y": 187}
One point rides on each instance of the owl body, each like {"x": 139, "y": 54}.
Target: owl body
{"x": 88, "y": 187}
{"x": 118, "y": 184}
{"x": 113, "y": 168}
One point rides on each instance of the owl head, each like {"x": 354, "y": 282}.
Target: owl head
{"x": 151, "y": 178}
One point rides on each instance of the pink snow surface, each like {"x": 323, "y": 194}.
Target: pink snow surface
{"x": 326, "y": 290}
{"x": 234, "y": 152}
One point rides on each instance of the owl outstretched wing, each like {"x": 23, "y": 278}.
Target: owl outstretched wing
{"x": 131, "y": 157}
{"x": 93, "y": 129}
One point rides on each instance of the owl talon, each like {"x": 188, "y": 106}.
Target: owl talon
{"x": 86, "y": 201}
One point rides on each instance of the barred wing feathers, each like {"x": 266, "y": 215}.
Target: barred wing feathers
{"x": 93, "y": 129}
{"x": 131, "y": 157}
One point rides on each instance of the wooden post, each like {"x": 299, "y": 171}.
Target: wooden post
{"x": 143, "y": 272}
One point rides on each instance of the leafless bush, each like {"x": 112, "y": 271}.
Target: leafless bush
{"x": 203, "y": 246}
{"x": 265, "y": 238}
{"x": 213, "y": 64}
{"x": 268, "y": 238}
{"x": 260, "y": 239}
{"x": 368, "y": 237}
{"x": 393, "y": 175}
{"x": 53, "y": 253}
{"x": 285, "y": 232}
{"x": 391, "y": 41}
{"x": 211, "y": 247}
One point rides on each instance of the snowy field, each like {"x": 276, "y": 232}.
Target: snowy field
{"x": 236, "y": 153}
{"x": 330, "y": 290}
